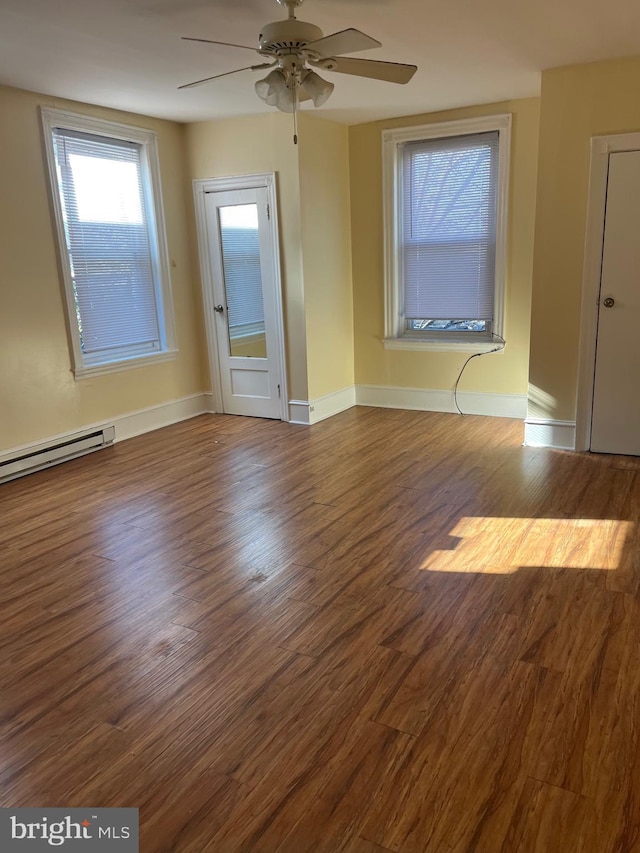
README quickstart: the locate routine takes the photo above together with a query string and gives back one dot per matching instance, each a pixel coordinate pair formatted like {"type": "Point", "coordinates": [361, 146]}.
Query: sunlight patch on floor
{"type": "Point", "coordinates": [504, 545]}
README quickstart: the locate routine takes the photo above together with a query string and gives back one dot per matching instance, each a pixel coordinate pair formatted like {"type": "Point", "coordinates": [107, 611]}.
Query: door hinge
{"type": "Point", "coordinates": [279, 393]}
{"type": "Point", "coordinates": [268, 211]}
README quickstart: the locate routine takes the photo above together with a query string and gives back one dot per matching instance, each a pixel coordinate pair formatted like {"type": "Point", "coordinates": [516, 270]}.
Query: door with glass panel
{"type": "Point", "coordinates": [245, 307]}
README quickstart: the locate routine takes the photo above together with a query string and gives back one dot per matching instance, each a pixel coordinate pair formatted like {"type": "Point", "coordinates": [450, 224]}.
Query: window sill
{"type": "Point", "coordinates": [85, 372]}
{"type": "Point", "coordinates": [418, 344]}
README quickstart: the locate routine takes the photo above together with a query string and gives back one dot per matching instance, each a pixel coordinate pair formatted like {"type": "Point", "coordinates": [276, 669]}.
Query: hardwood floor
{"type": "Point", "coordinates": [392, 631]}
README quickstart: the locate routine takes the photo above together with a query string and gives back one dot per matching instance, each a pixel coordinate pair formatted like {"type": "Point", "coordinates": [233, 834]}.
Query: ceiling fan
{"type": "Point", "coordinates": [294, 48]}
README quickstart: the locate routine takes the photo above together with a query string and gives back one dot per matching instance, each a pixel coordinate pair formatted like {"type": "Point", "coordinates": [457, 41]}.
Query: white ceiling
{"type": "Point", "coordinates": [128, 53]}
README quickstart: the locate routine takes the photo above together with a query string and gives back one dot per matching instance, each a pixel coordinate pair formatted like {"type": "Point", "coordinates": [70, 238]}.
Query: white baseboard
{"type": "Point", "coordinates": [430, 400]}
{"type": "Point", "coordinates": [310, 412]}
{"type": "Point", "coordinates": [538, 432]}
{"type": "Point", "coordinates": [393, 397]}
{"type": "Point", "coordinates": [543, 432]}
{"type": "Point", "coordinates": [299, 412]}
{"type": "Point", "coordinates": [332, 404]}
{"type": "Point", "coordinates": [155, 417]}
{"type": "Point", "coordinates": [210, 403]}
{"type": "Point", "coordinates": [131, 424]}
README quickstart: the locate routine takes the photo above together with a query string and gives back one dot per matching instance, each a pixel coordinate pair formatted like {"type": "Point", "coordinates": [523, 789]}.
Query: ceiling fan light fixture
{"type": "Point", "coordinates": [282, 90]}
{"type": "Point", "coordinates": [272, 88]}
{"type": "Point", "coordinates": [316, 88]}
{"type": "Point", "coordinates": [285, 102]}
{"type": "Point", "coordinates": [278, 89]}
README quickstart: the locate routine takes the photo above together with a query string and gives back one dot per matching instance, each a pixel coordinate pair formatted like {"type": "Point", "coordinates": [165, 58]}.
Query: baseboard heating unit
{"type": "Point", "coordinates": [49, 453]}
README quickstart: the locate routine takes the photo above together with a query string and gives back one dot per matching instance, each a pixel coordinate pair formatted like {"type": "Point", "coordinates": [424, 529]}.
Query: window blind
{"type": "Point", "coordinates": [449, 227]}
{"type": "Point", "coordinates": [240, 243]}
{"type": "Point", "coordinates": [108, 240]}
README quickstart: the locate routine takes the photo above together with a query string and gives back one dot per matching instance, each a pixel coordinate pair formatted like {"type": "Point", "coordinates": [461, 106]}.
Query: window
{"type": "Point", "coordinates": [240, 245]}
{"type": "Point", "coordinates": [106, 195]}
{"type": "Point", "coordinates": [445, 233]}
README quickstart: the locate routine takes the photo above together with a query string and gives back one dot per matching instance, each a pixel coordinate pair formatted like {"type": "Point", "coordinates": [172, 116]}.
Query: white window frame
{"type": "Point", "coordinates": [396, 334]}
{"type": "Point", "coordinates": [147, 139]}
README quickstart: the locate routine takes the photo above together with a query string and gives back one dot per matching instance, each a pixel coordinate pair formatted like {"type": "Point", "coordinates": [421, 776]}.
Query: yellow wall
{"type": "Point", "coordinates": [505, 373]}
{"type": "Point", "coordinates": [39, 396]}
{"type": "Point", "coordinates": [578, 102]}
{"type": "Point", "coordinates": [326, 242]}
{"type": "Point", "coordinates": [250, 145]}
{"type": "Point", "coordinates": [330, 207]}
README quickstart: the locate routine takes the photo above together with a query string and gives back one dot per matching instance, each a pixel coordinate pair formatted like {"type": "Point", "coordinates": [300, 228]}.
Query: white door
{"type": "Point", "coordinates": [615, 424]}
{"type": "Point", "coordinates": [245, 301]}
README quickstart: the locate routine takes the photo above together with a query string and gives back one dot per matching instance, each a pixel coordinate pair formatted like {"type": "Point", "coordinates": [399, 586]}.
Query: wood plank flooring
{"type": "Point", "coordinates": [391, 631]}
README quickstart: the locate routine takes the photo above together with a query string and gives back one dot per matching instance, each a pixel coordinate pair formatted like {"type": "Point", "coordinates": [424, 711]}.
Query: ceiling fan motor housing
{"type": "Point", "coordinates": [284, 36]}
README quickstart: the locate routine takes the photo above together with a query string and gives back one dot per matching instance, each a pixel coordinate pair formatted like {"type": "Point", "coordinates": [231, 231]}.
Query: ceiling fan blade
{"type": "Point", "coordinates": [346, 41]}
{"type": "Point", "coordinates": [392, 72]}
{"type": "Point", "coordinates": [225, 43]}
{"type": "Point", "coordinates": [225, 74]}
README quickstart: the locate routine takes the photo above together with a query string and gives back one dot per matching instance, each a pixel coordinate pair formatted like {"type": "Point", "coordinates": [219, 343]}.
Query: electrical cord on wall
{"type": "Point", "coordinates": [502, 344]}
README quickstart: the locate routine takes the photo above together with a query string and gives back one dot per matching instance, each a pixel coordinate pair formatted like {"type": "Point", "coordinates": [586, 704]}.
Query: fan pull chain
{"type": "Point", "coordinates": [295, 111]}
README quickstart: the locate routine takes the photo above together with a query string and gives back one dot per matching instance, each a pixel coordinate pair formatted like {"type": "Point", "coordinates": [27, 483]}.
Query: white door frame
{"type": "Point", "coordinates": [238, 182]}
{"type": "Point", "coordinates": [601, 148]}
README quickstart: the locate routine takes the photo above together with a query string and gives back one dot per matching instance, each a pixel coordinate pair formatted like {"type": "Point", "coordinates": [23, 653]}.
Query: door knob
{"type": "Point", "coordinates": [219, 309]}
{"type": "Point", "coordinates": [609, 302]}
